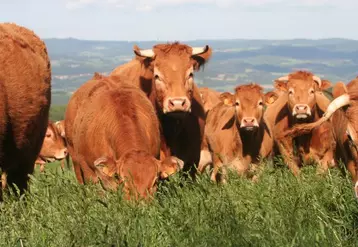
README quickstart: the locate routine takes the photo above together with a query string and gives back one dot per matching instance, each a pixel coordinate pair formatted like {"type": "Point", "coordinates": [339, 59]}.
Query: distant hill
{"type": "Point", "coordinates": [234, 61]}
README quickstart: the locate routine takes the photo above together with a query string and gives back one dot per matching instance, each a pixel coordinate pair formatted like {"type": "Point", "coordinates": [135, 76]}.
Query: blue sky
{"type": "Point", "coordinates": [184, 19]}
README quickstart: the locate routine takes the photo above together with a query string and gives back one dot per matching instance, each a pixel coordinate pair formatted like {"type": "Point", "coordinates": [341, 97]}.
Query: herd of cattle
{"type": "Point", "coordinates": [148, 119]}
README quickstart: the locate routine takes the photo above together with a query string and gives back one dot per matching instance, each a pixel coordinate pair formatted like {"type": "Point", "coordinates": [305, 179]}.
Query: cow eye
{"type": "Point", "coordinates": [191, 75]}
{"type": "Point", "coordinates": [311, 91]}
{"type": "Point", "coordinates": [48, 135]}
{"type": "Point", "coordinates": [290, 92]}
{"type": "Point", "coordinates": [261, 103]}
{"type": "Point", "coordinates": [237, 103]}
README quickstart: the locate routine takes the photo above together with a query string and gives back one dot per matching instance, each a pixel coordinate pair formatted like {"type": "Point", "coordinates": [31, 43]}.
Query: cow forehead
{"type": "Point", "coordinates": [300, 84]}
{"type": "Point", "coordinates": [173, 64]}
{"type": "Point", "coordinates": [249, 97]}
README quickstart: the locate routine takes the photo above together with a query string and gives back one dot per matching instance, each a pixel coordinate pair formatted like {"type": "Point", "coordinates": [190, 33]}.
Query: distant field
{"type": "Point", "coordinates": [278, 210]}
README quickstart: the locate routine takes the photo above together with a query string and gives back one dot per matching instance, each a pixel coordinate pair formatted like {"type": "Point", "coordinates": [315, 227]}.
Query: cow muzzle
{"type": "Point", "coordinates": [249, 123]}
{"type": "Point", "coordinates": [61, 154]}
{"type": "Point", "coordinates": [301, 111]}
{"type": "Point", "coordinates": [178, 104]}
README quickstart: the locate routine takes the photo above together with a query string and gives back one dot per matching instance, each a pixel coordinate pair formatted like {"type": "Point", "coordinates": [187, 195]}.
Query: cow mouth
{"type": "Point", "coordinates": [177, 114]}
{"type": "Point", "coordinates": [249, 128]}
{"type": "Point", "coordinates": [302, 116]}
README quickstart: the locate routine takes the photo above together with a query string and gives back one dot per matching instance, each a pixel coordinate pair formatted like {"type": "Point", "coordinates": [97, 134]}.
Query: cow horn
{"type": "Point", "coordinates": [283, 78]}
{"type": "Point", "coordinates": [318, 80]}
{"type": "Point", "coordinates": [337, 103]}
{"type": "Point", "coordinates": [199, 50]}
{"type": "Point", "coordinates": [145, 53]}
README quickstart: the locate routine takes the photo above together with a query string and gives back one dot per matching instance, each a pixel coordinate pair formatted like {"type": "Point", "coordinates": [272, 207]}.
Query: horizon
{"type": "Point", "coordinates": [144, 20]}
{"type": "Point", "coordinates": [218, 39]}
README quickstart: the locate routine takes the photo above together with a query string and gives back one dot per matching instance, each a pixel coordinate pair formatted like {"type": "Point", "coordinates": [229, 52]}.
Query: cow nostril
{"type": "Point", "coordinates": [252, 120]}
{"type": "Point", "coordinates": [184, 103]}
{"type": "Point", "coordinates": [65, 152]}
{"type": "Point", "coordinates": [305, 107]}
{"type": "Point", "coordinates": [171, 104]}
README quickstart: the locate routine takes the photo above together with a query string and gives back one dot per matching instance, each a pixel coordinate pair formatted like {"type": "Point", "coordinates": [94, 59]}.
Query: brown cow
{"type": "Point", "coordinates": [166, 74]}
{"type": "Point", "coordinates": [345, 125]}
{"type": "Point", "coordinates": [25, 94]}
{"type": "Point", "coordinates": [301, 102]}
{"type": "Point", "coordinates": [53, 147]}
{"type": "Point", "coordinates": [209, 97]}
{"type": "Point", "coordinates": [115, 125]}
{"type": "Point", "coordinates": [236, 132]}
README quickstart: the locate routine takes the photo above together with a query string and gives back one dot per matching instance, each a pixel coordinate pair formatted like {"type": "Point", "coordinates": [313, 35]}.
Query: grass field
{"type": "Point", "coordinates": [278, 210]}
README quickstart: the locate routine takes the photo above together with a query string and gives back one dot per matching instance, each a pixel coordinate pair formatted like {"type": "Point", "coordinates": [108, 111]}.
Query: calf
{"type": "Point", "coordinates": [236, 132]}
{"type": "Point", "coordinates": [301, 101]}
{"type": "Point", "coordinates": [53, 147]}
{"type": "Point", "coordinates": [116, 127]}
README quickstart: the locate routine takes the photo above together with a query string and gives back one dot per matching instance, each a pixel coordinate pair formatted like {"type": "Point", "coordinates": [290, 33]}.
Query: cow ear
{"type": "Point", "coordinates": [169, 166]}
{"type": "Point", "coordinates": [325, 84]}
{"type": "Point", "coordinates": [227, 98]}
{"type": "Point", "coordinates": [49, 132]}
{"type": "Point", "coordinates": [270, 97]}
{"type": "Point", "coordinates": [201, 57]}
{"type": "Point", "coordinates": [106, 166]}
{"type": "Point", "coordinates": [280, 85]}
{"type": "Point", "coordinates": [339, 89]}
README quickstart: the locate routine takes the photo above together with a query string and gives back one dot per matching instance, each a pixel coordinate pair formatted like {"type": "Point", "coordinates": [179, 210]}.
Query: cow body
{"type": "Point", "coordinates": [53, 147]}
{"type": "Point", "coordinates": [301, 101]}
{"type": "Point", "coordinates": [236, 132]}
{"type": "Point", "coordinates": [209, 97]}
{"type": "Point", "coordinates": [114, 126]}
{"type": "Point", "coordinates": [25, 94]}
{"type": "Point", "coordinates": [165, 74]}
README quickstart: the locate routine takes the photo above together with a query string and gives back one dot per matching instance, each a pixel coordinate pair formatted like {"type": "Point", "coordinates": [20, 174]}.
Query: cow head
{"type": "Point", "coordinates": [300, 88]}
{"type": "Point", "coordinates": [54, 146]}
{"type": "Point", "coordinates": [249, 104]}
{"type": "Point", "coordinates": [169, 166]}
{"type": "Point", "coordinates": [173, 67]}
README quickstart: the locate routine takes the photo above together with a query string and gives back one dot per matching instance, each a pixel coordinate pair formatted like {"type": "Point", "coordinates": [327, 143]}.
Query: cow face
{"type": "Point", "coordinates": [173, 68]}
{"type": "Point", "coordinates": [53, 147]}
{"type": "Point", "coordinates": [300, 88]}
{"type": "Point", "coordinates": [249, 105]}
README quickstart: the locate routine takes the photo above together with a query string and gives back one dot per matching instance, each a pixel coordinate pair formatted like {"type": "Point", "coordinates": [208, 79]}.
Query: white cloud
{"type": "Point", "coordinates": [148, 5]}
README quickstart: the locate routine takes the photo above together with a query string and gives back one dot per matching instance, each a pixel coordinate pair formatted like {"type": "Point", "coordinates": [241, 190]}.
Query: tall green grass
{"type": "Point", "coordinates": [278, 210]}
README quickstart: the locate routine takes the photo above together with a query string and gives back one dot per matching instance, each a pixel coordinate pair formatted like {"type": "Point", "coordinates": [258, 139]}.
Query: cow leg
{"type": "Point", "coordinates": [205, 160]}
{"type": "Point", "coordinates": [88, 173]}
{"type": "Point", "coordinates": [77, 169]}
{"type": "Point", "coordinates": [42, 167]}
{"type": "Point", "coordinates": [3, 180]}
{"type": "Point", "coordinates": [19, 177]}
{"type": "Point", "coordinates": [285, 146]}
{"type": "Point", "coordinates": [219, 173]}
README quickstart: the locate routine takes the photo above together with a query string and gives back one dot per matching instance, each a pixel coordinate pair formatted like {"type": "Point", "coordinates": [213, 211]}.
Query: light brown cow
{"type": "Point", "coordinates": [236, 132]}
{"type": "Point", "coordinates": [166, 74]}
{"type": "Point", "coordinates": [302, 102]}
{"type": "Point", "coordinates": [344, 112]}
{"type": "Point", "coordinates": [53, 147]}
{"type": "Point", "coordinates": [209, 97]}
{"type": "Point", "coordinates": [25, 95]}
{"type": "Point", "coordinates": [116, 128]}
